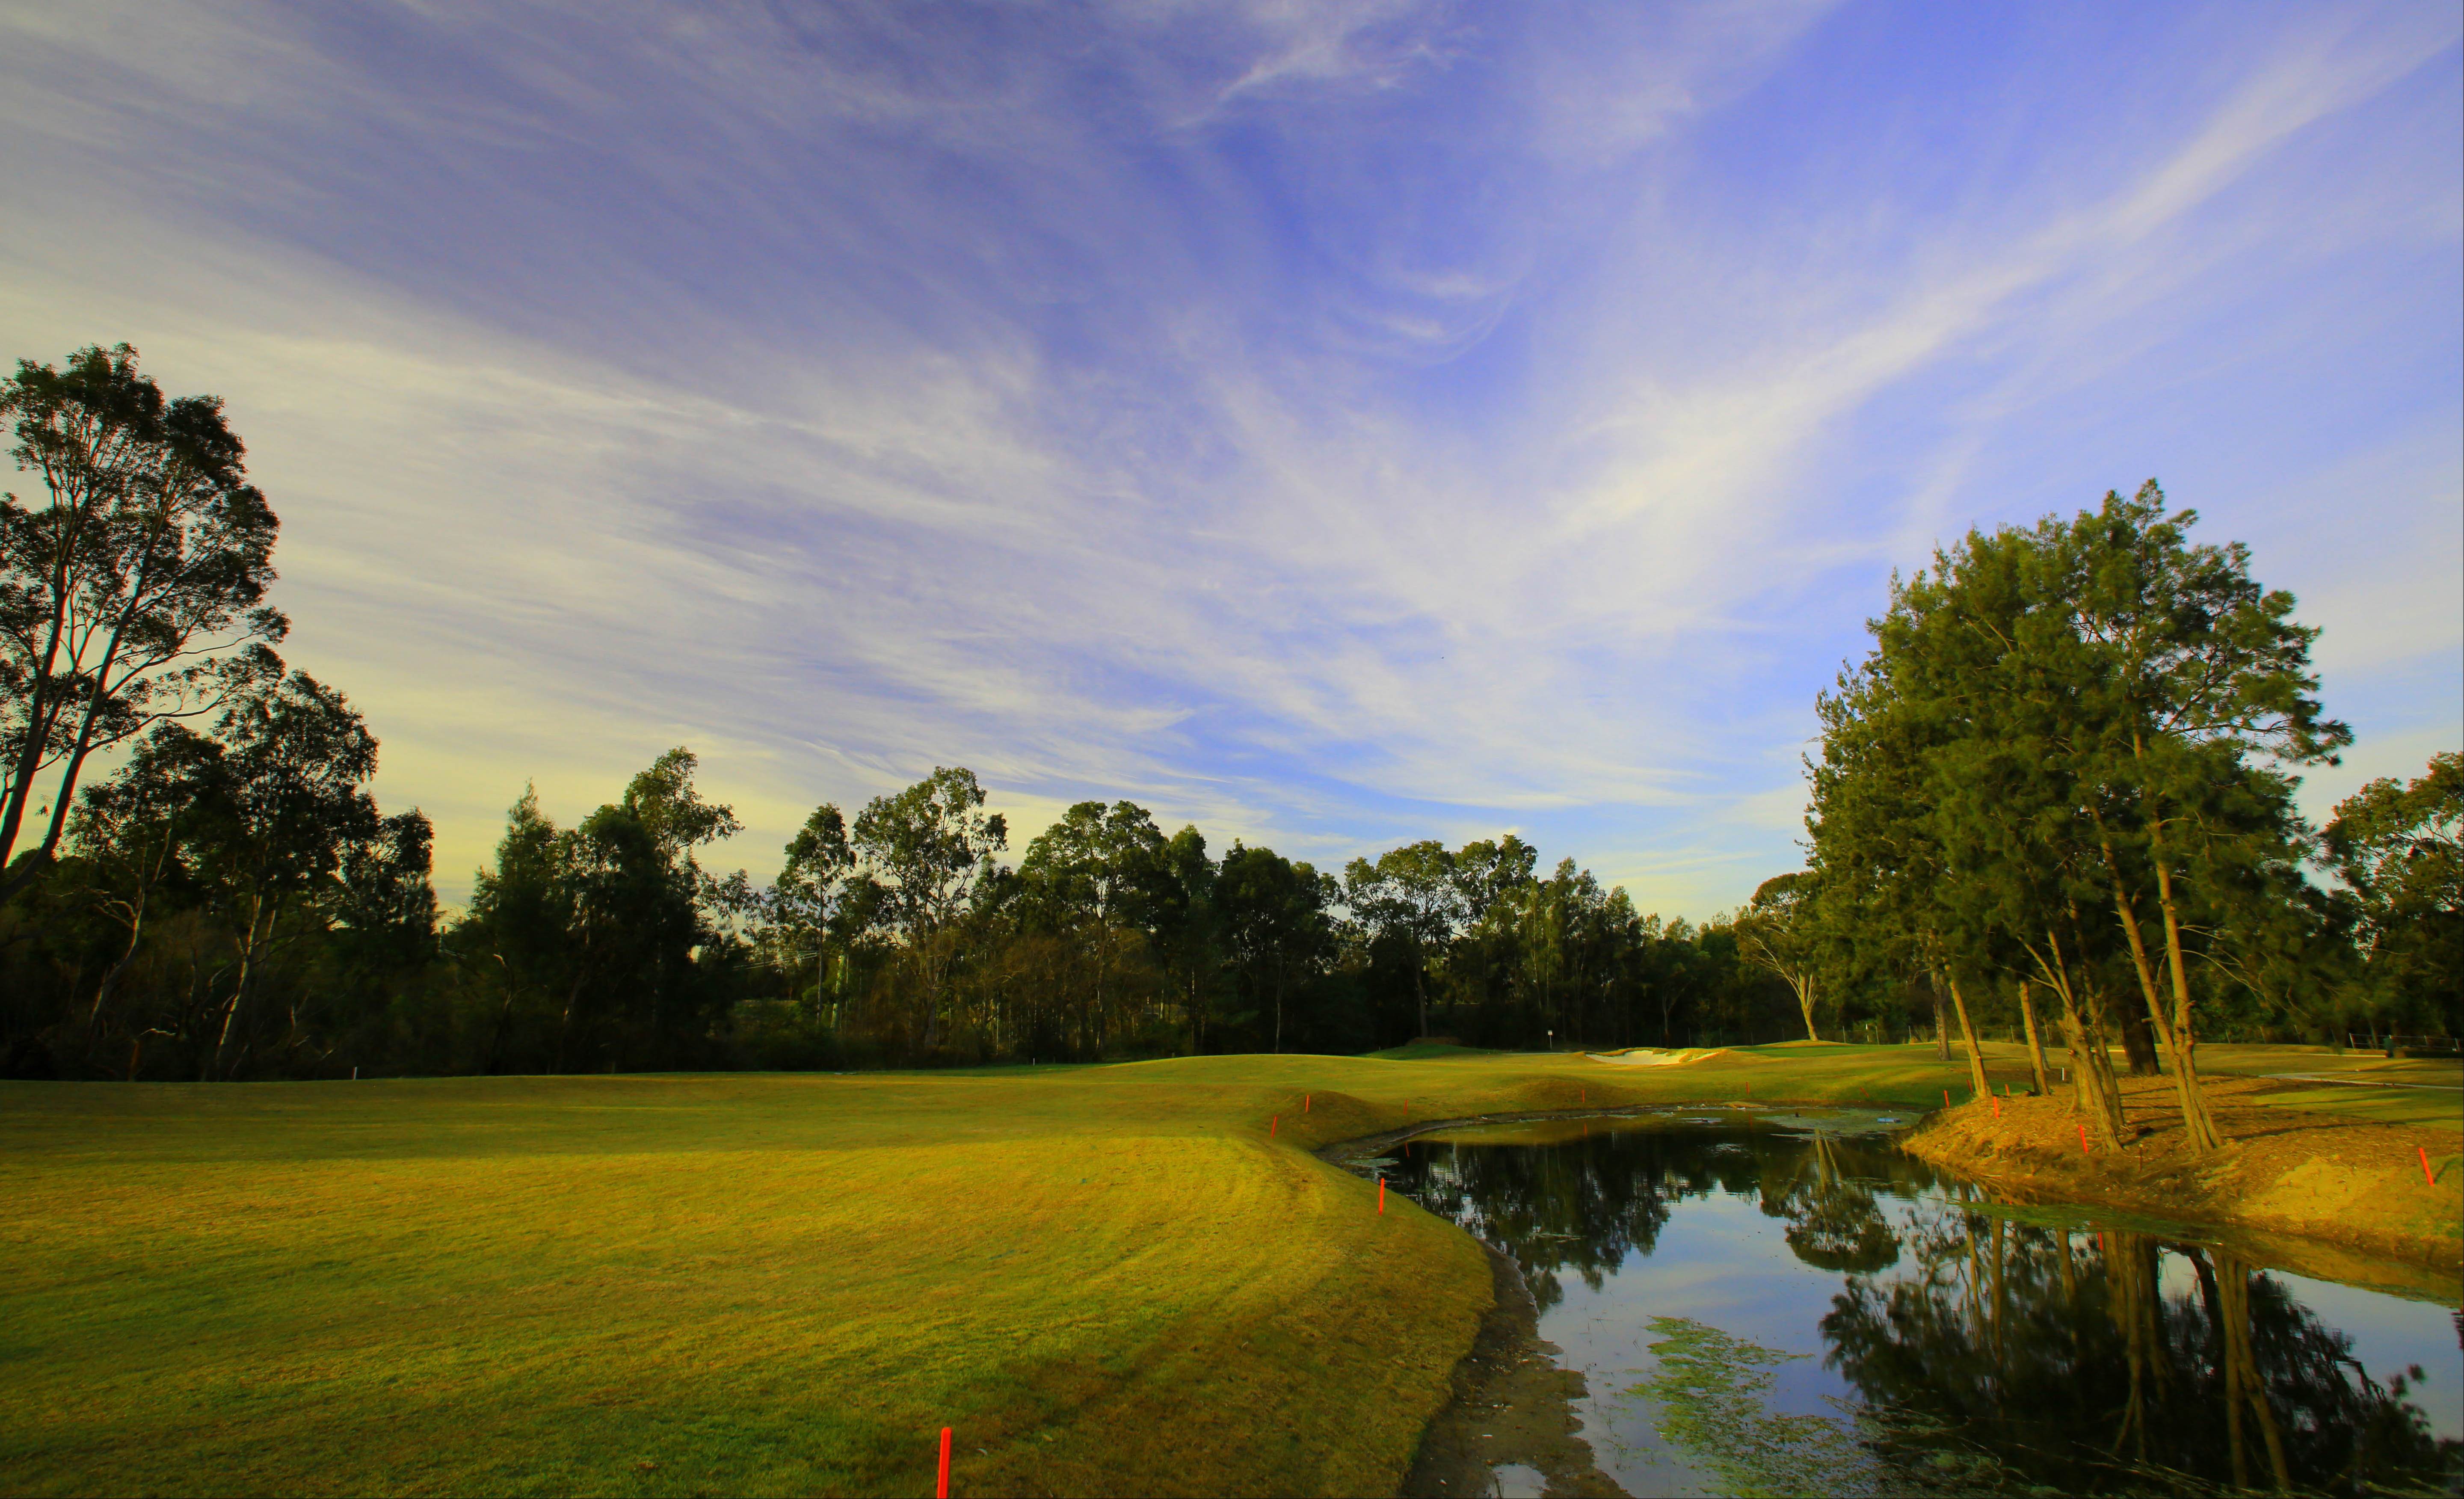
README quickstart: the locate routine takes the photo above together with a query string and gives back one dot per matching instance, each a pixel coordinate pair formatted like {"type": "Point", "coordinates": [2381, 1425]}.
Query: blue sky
{"type": "Point", "coordinates": [1332, 424]}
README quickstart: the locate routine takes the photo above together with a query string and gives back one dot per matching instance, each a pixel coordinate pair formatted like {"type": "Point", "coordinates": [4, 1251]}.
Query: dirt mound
{"type": "Point", "coordinates": [2350, 1182]}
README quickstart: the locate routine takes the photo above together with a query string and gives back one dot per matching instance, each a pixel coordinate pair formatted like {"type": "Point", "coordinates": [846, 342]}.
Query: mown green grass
{"type": "Point", "coordinates": [1106, 1279]}
{"type": "Point", "coordinates": [2370, 1086]}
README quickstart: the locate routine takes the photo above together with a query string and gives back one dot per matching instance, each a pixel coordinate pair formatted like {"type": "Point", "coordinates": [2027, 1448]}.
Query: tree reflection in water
{"type": "Point", "coordinates": [1986, 1354]}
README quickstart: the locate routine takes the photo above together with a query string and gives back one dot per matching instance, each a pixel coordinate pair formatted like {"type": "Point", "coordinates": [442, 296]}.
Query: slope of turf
{"type": "Point", "coordinates": [1106, 1279]}
{"type": "Point", "coordinates": [1129, 1279]}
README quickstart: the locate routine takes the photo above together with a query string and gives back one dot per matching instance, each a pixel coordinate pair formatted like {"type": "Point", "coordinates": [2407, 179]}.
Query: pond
{"type": "Point", "coordinates": [1794, 1307]}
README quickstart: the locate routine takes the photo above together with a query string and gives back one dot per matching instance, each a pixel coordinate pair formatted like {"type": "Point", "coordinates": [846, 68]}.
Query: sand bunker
{"type": "Point", "coordinates": [1653, 1056]}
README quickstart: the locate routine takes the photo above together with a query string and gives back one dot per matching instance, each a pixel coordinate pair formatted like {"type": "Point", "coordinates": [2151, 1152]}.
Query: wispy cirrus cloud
{"type": "Point", "coordinates": [1330, 423]}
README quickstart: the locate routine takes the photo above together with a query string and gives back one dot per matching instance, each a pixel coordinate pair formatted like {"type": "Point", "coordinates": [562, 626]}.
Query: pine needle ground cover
{"type": "Point", "coordinates": [1131, 1279]}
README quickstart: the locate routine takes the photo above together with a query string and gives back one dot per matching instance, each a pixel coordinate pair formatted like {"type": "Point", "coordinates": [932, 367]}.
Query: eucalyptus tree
{"type": "Point", "coordinates": [925, 850]}
{"type": "Point", "coordinates": [1100, 873]}
{"type": "Point", "coordinates": [385, 897]}
{"type": "Point", "coordinates": [1489, 871]}
{"type": "Point", "coordinates": [1780, 931]}
{"type": "Point", "coordinates": [133, 592]}
{"type": "Point", "coordinates": [1411, 896]}
{"type": "Point", "coordinates": [637, 857]}
{"type": "Point", "coordinates": [808, 902]}
{"type": "Point", "coordinates": [135, 832]}
{"type": "Point", "coordinates": [1566, 930]}
{"type": "Point", "coordinates": [290, 800]}
{"type": "Point", "coordinates": [1192, 930]}
{"type": "Point", "coordinates": [2400, 849]}
{"type": "Point", "coordinates": [522, 931]}
{"type": "Point", "coordinates": [1275, 920]}
{"type": "Point", "coordinates": [603, 937]}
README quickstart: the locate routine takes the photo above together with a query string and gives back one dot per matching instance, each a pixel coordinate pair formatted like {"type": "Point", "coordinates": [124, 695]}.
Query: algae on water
{"type": "Point", "coordinates": [1711, 1392]}
{"type": "Point", "coordinates": [1710, 1389]}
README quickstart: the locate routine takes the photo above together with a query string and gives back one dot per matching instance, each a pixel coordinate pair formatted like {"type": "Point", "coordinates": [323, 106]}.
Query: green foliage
{"type": "Point", "coordinates": [2400, 849]}
{"type": "Point", "coordinates": [2068, 762]}
{"type": "Point", "coordinates": [134, 594]}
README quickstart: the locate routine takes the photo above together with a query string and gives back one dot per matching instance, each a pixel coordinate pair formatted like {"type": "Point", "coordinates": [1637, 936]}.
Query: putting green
{"type": "Point", "coordinates": [1104, 1279]}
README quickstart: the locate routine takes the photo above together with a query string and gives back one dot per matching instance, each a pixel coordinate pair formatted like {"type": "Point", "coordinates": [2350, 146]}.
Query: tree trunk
{"type": "Point", "coordinates": [40, 857]}
{"type": "Point", "coordinates": [2243, 1381]}
{"type": "Point", "coordinates": [2094, 1092]}
{"type": "Point", "coordinates": [2123, 911]}
{"type": "Point", "coordinates": [1279, 1014]}
{"type": "Point", "coordinates": [145, 882]}
{"type": "Point", "coordinates": [2199, 1125]}
{"type": "Point", "coordinates": [102, 991]}
{"type": "Point", "coordinates": [40, 713]}
{"type": "Point", "coordinates": [2138, 1041]}
{"type": "Point", "coordinates": [564, 1024]}
{"type": "Point", "coordinates": [1941, 1022]}
{"type": "Point", "coordinates": [2036, 1044]}
{"type": "Point", "coordinates": [239, 988]}
{"type": "Point", "coordinates": [2136, 1308]}
{"type": "Point", "coordinates": [2195, 1126]}
{"type": "Point", "coordinates": [1804, 987]}
{"type": "Point", "coordinates": [1967, 1033]}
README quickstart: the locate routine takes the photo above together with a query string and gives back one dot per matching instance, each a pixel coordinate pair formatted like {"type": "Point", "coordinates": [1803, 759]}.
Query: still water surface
{"type": "Point", "coordinates": [1798, 1307]}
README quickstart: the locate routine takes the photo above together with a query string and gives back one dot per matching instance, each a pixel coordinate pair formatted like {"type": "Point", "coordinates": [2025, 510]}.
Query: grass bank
{"type": "Point", "coordinates": [1131, 1279]}
{"type": "Point", "coordinates": [2339, 1168]}
{"type": "Point", "coordinates": [1106, 1279]}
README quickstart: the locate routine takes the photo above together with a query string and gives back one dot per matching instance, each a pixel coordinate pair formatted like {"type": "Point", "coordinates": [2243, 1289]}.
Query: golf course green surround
{"type": "Point", "coordinates": [1127, 1279]}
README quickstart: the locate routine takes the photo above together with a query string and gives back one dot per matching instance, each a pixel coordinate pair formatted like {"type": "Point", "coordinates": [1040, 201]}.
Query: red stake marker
{"type": "Point", "coordinates": [1946, 1098]}
{"type": "Point", "coordinates": [2082, 1139]}
{"type": "Point", "coordinates": [1305, 1101]}
{"type": "Point", "coordinates": [1381, 1197]}
{"type": "Point", "coordinates": [1272, 1121]}
{"type": "Point", "coordinates": [942, 1490]}
{"type": "Point", "coordinates": [1997, 1107]}
{"type": "Point", "coordinates": [2427, 1174]}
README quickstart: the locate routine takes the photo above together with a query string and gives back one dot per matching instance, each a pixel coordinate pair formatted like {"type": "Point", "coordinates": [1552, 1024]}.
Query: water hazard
{"type": "Point", "coordinates": [1798, 1307]}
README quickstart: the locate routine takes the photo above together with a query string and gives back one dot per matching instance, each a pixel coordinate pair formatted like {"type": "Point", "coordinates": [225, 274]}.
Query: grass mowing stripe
{"type": "Point", "coordinates": [1106, 1279]}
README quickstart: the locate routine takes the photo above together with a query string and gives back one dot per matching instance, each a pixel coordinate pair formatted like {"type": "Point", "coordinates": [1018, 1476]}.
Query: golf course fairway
{"type": "Point", "coordinates": [1124, 1279]}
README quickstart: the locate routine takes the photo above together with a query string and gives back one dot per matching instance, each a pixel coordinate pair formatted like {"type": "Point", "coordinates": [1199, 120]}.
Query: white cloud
{"type": "Point", "coordinates": [849, 404]}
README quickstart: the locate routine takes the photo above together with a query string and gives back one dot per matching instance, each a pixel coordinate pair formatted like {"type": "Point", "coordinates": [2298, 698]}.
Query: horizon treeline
{"type": "Point", "coordinates": [2065, 768]}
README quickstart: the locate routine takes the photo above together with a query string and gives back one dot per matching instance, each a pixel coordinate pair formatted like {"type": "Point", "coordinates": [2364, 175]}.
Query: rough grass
{"type": "Point", "coordinates": [1106, 1279]}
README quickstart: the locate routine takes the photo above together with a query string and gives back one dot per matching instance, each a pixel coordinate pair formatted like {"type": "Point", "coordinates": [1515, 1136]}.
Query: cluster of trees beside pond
{"type": "Point", "coordinates": [199, 884]}
{"type": "Point", "coordinates": [2060, 789]}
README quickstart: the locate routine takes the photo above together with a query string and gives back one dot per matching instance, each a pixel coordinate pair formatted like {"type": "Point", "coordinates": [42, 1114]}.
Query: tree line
{"type": "Point", "coordinates": [198, 883]}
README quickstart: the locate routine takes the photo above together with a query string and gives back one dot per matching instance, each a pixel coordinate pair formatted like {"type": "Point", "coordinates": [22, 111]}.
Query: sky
{"type": "Point", "coordinates": [1332, 424]}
